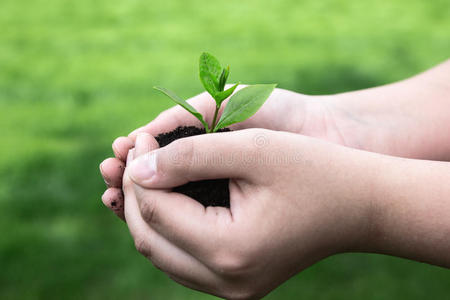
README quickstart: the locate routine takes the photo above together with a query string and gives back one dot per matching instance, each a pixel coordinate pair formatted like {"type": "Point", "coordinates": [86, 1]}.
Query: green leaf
{"type": "Point", "coordinates": [244, 104]}
{"type": "Point", "coordinates": [210, 71]}
{"type": "Point", "coordinates": [183, 104]}
{"type": "Point", "coordinates": [225, 94]}
{"type": "Point", "coordinates": [223, 78]}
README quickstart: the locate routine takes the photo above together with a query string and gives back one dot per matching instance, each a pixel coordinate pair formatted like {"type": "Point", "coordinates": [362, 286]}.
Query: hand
{"type": "Point", "coordinates": [294, 200]}
{"type": "Point", "coordinates": [407, 119]}
{"type": "Point", "coordinates": [283, 111]}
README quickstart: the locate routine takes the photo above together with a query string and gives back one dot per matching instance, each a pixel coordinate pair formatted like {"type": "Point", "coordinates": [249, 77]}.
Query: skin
{"type": "Point", "coordinates": [329, 198]}
{"type": "Point", "coordinates": [283, 111]}
{"type": "Point", "coordinates": [407, 119]}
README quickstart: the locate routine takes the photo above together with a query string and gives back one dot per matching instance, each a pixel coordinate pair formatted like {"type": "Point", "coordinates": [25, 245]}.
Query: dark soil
{"type": "Point", "coordinates": [208, 192]}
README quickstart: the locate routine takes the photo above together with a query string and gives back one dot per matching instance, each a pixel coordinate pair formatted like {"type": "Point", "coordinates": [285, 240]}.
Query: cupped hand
{"type": "Point", "coordinates": [294, 200]}
{"type": "Point", "coordinates": [283, 111]}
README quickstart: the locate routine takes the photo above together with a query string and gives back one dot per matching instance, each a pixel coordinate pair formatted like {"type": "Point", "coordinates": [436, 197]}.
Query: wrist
{"type": "Point", "coordinates": [392, 120]}
{"type": "Point", "coordinates": [408, 210]}
{"type": "Point", "coordinates": [361, 184]}
{"type": "Point", "coordinates": [349, 182]}
{"type": "Point", "coordinates": [359, 126]}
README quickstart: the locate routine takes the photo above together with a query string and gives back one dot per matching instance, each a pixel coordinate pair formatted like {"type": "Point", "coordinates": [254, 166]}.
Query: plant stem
{"type": "Point", "coordinates": [213, 125]}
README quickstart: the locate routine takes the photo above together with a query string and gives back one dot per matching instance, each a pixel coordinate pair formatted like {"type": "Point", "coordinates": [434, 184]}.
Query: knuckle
{"type": "Point", "coordinates": [142, 246]}
{"type": "Point", "coordinates": [148, 208]}
{"type": "Point", "coordinates": [230, 264]}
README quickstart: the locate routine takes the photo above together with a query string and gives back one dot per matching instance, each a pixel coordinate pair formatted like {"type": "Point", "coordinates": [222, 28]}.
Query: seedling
{"type": "Point", "coordinates": [241, 106]}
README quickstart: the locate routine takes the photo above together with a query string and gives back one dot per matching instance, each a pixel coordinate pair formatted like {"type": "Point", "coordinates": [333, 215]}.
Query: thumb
{"type": "Point", "coordinates": [208, 156]}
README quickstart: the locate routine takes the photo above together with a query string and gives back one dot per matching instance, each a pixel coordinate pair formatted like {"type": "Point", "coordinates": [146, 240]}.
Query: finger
{"type": "Point", "coordinates": [145, 143]}
{"type": "Point", "coordinates": [184, 221]}
{"type": "Point", "coordinates": [112, 171]}
{"type": "Point", "coordinates": [177, 116]}
{"type": "Point", "coordinates": [209, 156]}
{"type": "Point", "coordinates": [113, 199]}
{"type": "Point", "coordinates": [163, 254]}
{"type": "Point", "coordinates": [166, 122]}
{"type": "Point", "coordinates": [135, 223]}
{"type": "Point", "coordinates": [120, 146]}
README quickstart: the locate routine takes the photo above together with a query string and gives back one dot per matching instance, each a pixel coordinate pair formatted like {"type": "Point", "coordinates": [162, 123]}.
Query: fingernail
{"type": "Point", "coordinates": [105, 179]}
{"type": "Point", "coordinates": [116, 152]}
{"type": "Point", "coordinates": [103, 197]}
{"type": "Point", "coordinates": [101, 168]}
{"type": "Point", "coordinates": [144, 167]}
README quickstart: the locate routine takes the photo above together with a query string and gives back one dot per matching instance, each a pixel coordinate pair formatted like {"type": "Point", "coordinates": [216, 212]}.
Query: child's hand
{"type": "Point", "coordinates": [283, 111]}
{"type": "Point", "coordinates": [294, 201]}
{"type": "Point", "coordinates": [408, 119]}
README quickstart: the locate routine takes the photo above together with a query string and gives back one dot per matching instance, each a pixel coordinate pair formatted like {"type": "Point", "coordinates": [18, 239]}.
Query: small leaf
{"type": "Point", "coordinates": [225, 94]}
{"type": "Point", "coordinates": [210, 71]}
{"type": "Point", "coordinates": [223, 78]}
{"type": "Point", "coordinates": [244, 104]}
{"type": "Point", "coordinates": [183, 104]}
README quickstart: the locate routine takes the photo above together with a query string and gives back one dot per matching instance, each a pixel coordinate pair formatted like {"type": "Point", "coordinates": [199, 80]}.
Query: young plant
{"type": "Point", "coordinates": [241, 106]}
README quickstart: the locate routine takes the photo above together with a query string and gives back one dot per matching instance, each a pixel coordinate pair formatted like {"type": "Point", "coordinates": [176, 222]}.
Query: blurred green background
{"type": "Point", "coordinates": [76, 74]}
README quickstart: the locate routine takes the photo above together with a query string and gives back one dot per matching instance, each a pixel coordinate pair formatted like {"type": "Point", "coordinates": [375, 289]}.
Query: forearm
{"type": "Point", "coordinates": [410, 210]}
{"type": "Point", "coordinates": [410, 118]}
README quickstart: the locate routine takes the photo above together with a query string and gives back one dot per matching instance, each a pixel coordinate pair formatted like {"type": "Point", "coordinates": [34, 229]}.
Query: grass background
{"type": "Point", "coordinates": [76, 74]}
